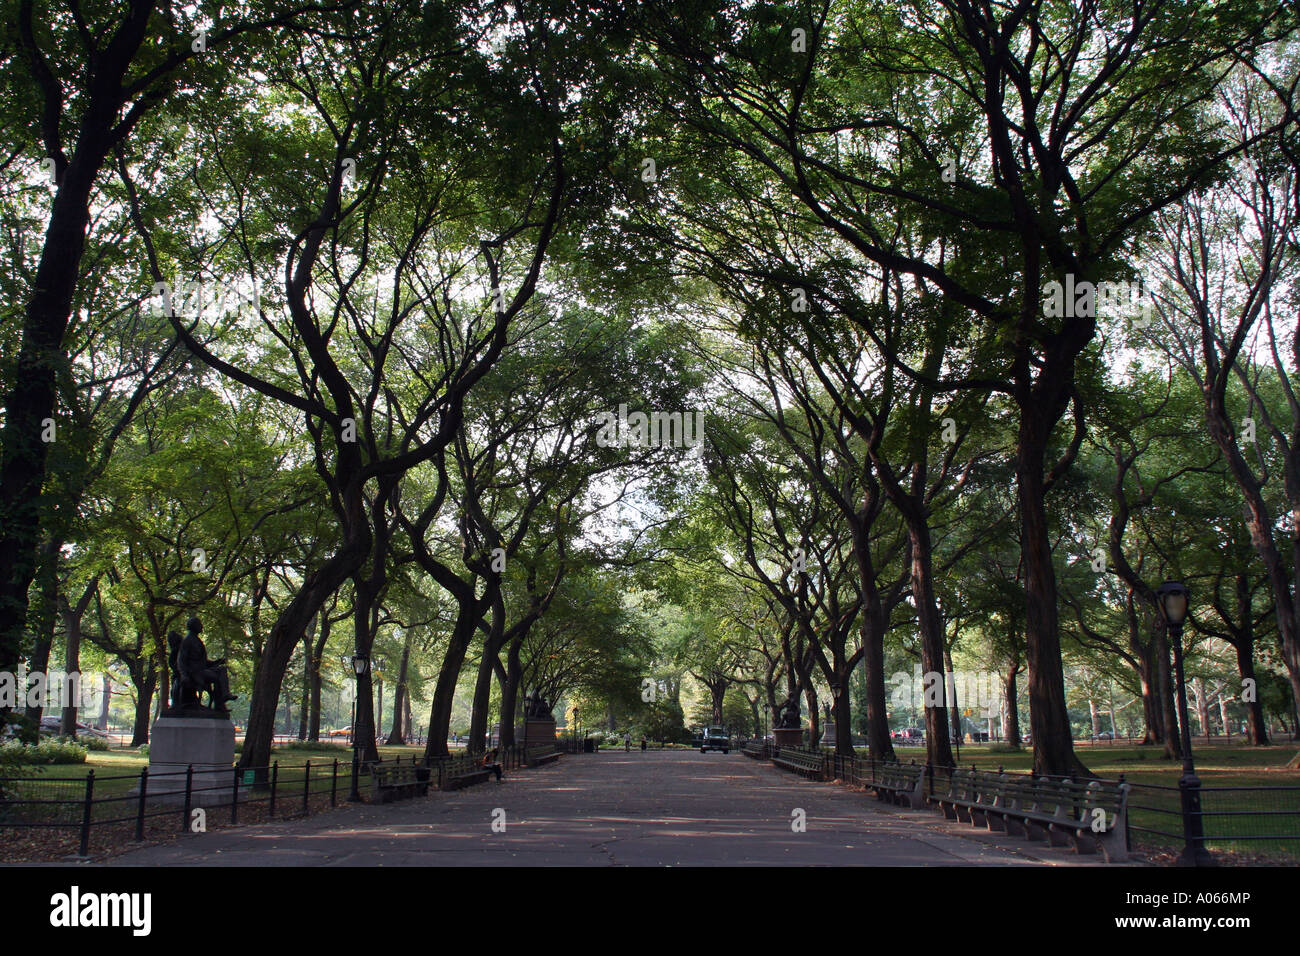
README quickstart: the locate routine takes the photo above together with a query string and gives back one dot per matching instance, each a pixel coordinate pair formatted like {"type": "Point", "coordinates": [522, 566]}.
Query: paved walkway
{"type": "Point", "coordinates": [671, 808]}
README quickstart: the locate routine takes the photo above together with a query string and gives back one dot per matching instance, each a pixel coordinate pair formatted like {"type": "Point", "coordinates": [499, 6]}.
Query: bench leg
{"type": "Point", "coordinates": [1056, 836]}
{"type": "Point", "coordinates": [978, 817]}
{"type": "Point", "coordinates": [995, 821]}
{"type": "Point", "coordinates": [963, 813]}
{"type": "Point", "coordinates": [1084, 843]}
{"type": "Point", "coordinates": [1034, 831]}
{"type": "Point", "coordinates": [949, 810]}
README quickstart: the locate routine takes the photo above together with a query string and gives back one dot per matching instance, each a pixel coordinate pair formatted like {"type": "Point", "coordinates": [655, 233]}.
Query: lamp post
{"type": "Point", "coordinates": [359, 664]}
{"type": "Point", "coordinates": [1174, 598]}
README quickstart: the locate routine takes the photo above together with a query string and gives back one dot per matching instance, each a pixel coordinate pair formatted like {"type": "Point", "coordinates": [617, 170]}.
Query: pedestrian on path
{"type": "Point", "coordinates": [627, 741]}
{"type": "Point", "coordinates": [643, 743]}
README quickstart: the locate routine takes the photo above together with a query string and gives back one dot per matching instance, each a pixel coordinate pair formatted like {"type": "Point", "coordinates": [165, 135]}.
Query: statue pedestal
{"type": "Point", "coordinates": [208, 745]}
{"type": "Point", "coordinates": [539, 732]}
{"type": "Point", "coordinates": [788, 736]}
{"type": "Point", "coordinates": [828, 736]}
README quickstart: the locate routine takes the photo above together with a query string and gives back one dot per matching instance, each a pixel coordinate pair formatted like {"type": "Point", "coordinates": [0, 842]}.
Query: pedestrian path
{"type": "Point", "coordinates": [667, 808]}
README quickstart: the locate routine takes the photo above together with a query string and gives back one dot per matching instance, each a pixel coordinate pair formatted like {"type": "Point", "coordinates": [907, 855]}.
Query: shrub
{"type": "Point", "coordinates": [315, 747]}
{"type": "Point", "coordinates": [144, 750]}
{"type": "Point", "coordinates": [56, 751]}
{"type": "Point", "coordinates": [93, 743]}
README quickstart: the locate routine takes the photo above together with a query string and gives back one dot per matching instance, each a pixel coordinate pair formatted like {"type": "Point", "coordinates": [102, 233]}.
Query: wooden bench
{"type": "Point", "coordinates": [540, 756]}
{"type": "Point", "coordinates": [807, 763]}
{"type": "Point", "coordinates": [901, 783]}
{"type": "Point", "coordinates": [393, 781]}
{"type": "Point", "coordinates": [1089, 815]}
{"type": "Point", "coordinates": [461, 772]}
{"type": "Point", "coordinates": [755, 749]}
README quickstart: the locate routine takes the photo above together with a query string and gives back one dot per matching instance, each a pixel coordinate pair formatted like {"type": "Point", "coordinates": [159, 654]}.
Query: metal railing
{"type": "Point", "coordinates": [116, 808]}
{"type": "Point", "coordinates": [1241, 823]}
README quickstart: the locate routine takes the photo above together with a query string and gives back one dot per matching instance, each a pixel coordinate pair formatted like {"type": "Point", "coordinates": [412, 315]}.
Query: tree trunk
{"type": "Point", "coordinates": [400, 697]}
{"type": "Point", "coordinates": [102, 722]}
{"type": "Point", "coordinates": [717, 693]}
{"type": "Point", "coordinates": [938, 738]}
{"type": "Point", "coordinates": [1049, 719]}
{"type": "Point", "coordinates": [33, 394]}
{"type": "Point", "coordinates": [814, 722]}
{"type": "Point", "coordinates": [1256, 727]}
{"type": "Point", "coordinates": [304, 710]}
{"type": "Point", "coordinates": [448, 675]}
{"type": "Point", "coordinates": [1202, 706]}
{"type": "Point", "coordinates": [1165, 691]}
{"type": "Point", "coordinates": [1011, 716]}
{"type": "Point", "coordinates": [42, 617]}
{"type": "Point", "coordinates": [510, 691]}
{"type": "Point", "coordinates": [950, 693]}
{"type": "Point", "coordinates": [363, 632]}
{"type": "Point", "coordinates": [479, 711]}
{"type": "Point", "coordinates": [280, 643]}
{"type": "Point", "coordinates": [72, 662]}
{"type": "Point", "coordinates": [144, 690]}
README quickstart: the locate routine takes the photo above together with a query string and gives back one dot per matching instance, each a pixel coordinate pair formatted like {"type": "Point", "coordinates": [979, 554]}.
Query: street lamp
{"type": "Point", "coordinates": [359, 664]}
{"type": "Point", "coordinates": [1174, 598]}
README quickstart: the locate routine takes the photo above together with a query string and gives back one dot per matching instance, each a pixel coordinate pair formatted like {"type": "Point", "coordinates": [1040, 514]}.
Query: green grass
{"type": "Point", "coordinates": [1221, 765]}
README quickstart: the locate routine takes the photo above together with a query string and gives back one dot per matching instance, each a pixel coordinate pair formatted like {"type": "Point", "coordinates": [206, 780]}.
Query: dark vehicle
{"type": "Point", "coordinates": [715, 738]}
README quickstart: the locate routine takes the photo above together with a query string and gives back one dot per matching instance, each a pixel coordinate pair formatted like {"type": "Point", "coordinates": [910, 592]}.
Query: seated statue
{"type": "Point", "coordinates": [193, 673]}
{"type": "Point", "coordinates": [789, 713]}
{"type": "Point", "coordinates": [536, 707]}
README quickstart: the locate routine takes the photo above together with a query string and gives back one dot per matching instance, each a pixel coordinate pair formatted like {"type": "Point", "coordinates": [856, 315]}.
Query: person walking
{"type": "Point", "coordinates": [627, 741]}
{"type": "Point", "coordinates": [643, 743]}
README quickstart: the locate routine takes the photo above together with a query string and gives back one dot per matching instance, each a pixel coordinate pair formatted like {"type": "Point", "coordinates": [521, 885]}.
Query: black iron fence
{"type": "Point", "coordinates": [114, 808]}
{"type": "Point", "coordinates": [1240, 823]}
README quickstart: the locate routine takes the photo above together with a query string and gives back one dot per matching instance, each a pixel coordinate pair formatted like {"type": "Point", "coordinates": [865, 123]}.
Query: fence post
{"type": "Point", "coordinates": [84, 849]}
{"type": "Point", "coordinates": [189, 789]}
{"type": "Point", "coordinates": [275, 773]}
{"type": "Point", "coordinates": [306, 785]}
{"type": "Point", "coordinates": [334, 784]}
{"type": "Point", "coordinates": [139, 813]}
{"type": "Point", "coordinates": [234, 798]}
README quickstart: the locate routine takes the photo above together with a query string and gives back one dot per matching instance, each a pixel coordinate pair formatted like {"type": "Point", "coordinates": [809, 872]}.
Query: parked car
{"type": "Point", "coordinates": [715, 738]}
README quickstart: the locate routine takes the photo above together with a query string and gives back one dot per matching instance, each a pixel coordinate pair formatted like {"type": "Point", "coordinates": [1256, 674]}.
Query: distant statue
{"type": "Point", "coordinates": [828, 711]}
{"type": "Point", "coordinates": [193, 674]}
{"type": "Point", "coordinates": [536, 707]}
{"type": "Point", "coordinates": [789, 713]}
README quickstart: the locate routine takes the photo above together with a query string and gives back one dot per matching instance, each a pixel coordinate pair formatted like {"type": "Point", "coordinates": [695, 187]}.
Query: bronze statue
{"type": "Point", "coordinates": [789, 713]}
{"type": "Point", "coordinates": [193, 674]}
{"type": "Point", "coordinates": [536, 707]}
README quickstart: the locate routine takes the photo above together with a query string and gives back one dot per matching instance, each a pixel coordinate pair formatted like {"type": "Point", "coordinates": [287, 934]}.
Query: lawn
{"type": "Point", "coordinates": [1259, 812]}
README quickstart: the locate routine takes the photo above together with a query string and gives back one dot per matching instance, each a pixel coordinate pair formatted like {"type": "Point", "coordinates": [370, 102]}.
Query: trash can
{"type": "Point", "coordinates": [588, 745]}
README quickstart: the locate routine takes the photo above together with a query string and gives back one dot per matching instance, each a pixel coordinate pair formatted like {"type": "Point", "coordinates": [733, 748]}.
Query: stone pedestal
{"type": "Point", "coordinates": [176, 743]}
{"type": "Point", "coordinates": [538, 732]}
{"type": "Point", "coordinates": [828, 736]}
{"type": "Point", "coordinates": [788, 736]}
